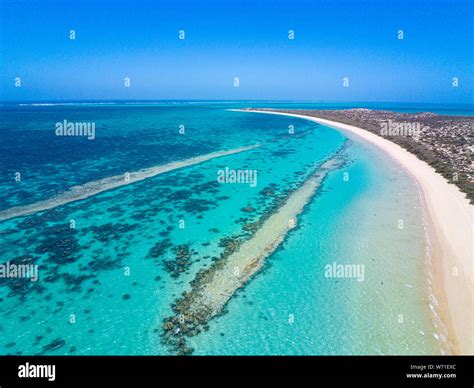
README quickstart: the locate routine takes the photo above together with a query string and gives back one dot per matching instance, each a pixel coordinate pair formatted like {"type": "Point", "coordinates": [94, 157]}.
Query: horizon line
{"type": "Point", "coordinates": [232, 100]}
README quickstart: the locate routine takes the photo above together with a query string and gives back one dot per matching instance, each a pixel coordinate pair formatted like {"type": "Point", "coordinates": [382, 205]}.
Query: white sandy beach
{"type": "Point", "coordinates": [450, 229]}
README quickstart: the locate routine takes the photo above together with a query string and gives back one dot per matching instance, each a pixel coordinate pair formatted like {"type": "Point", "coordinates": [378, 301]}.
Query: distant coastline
{"type": "Point", "coordinates": [454, 109]}
{"type": "Point", "coordinates": [444, 142]}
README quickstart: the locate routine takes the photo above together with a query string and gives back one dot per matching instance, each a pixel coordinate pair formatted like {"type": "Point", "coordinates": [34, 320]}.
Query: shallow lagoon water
{"type": "Point", "coordinates": [106, 285]}
{"type": "Point", "coordinates": [292, 308]}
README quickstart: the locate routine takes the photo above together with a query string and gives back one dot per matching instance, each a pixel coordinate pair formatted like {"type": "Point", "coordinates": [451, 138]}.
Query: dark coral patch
{"type": "Point", "coordinates": [159, 248]}
{"type": "Point", "coordinates": [181, 262]}
{"type": "Point", "coordinates": [109, 232]}
{"type": "Point", "coordinates": [54, 345]}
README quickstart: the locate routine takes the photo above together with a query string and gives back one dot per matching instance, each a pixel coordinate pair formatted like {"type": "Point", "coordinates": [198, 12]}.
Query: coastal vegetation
{"type": "Point", "coordinates": [445, 142]}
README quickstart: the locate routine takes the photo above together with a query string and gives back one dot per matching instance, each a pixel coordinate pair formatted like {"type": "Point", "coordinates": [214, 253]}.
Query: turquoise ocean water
{"type": "Point", "coordinates": [106, 284]}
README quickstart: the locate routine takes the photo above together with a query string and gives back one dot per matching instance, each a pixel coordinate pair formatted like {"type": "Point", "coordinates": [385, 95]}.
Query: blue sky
{"type": "Point", "coordinates": [246, 39]}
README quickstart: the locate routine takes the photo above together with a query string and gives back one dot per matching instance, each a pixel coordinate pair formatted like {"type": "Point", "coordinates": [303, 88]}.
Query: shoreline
{"type": "Point", "coordinates": [448, 217]}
